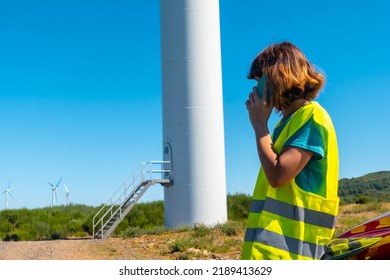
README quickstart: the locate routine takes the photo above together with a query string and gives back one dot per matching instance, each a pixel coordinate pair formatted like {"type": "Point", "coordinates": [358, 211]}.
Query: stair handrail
{"type": "Point", "coordinates": [144, 172]}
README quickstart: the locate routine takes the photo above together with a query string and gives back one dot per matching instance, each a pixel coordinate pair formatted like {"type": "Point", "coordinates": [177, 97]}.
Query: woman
{"type": "Point", "coordinates": [295, 201]}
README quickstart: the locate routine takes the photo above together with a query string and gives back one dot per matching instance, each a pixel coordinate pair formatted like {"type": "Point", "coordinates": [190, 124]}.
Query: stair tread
{"type": "Point", "coordinates": [130, 200]}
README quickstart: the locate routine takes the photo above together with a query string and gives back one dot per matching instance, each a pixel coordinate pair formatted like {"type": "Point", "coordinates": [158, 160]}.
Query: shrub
{"type": "Point", "coordinates": [238, 206]}
{"type": "Point", "coordinates": [361, 200]}
{"type": "Point", "coordinates": [75, 225]}
{"type": "Point", "coordinates": [132, 232]}
{"type": "Point", "coordinates": [230, 228]}
{"type": "Point", "coordinates": [11, 237]}
{"type": "Point", "coordinates": [201, 230]}
{"type": "Point", "coordinates": [146, 215]}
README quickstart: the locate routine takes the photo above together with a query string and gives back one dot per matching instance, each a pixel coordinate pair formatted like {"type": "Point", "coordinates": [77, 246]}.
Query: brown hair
{"type": "Point", "coordinates": [289, 74]}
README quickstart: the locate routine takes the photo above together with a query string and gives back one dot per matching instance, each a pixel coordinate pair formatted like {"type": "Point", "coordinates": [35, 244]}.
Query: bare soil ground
{"type": "Point", "coordinates": [148, 247]}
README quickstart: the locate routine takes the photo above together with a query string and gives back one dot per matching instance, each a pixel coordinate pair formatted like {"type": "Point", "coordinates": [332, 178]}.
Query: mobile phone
{"type": "Point", "coordinates": [260, 88]}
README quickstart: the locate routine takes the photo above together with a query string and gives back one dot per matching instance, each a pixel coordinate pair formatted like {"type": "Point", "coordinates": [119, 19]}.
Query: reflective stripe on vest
{"type": "Point", "coordinates": [294, 212]}
{"type": "Point", "coordinates": [282, 242]}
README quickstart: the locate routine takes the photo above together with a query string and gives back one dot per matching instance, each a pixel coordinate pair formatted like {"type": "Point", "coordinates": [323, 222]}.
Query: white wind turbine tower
{"type": "Point", "coordinates": [54, 193]}
{"type": "Point", "coordinates": [67, 192]}
{"type": "Point", "coordinates": [7, 193]}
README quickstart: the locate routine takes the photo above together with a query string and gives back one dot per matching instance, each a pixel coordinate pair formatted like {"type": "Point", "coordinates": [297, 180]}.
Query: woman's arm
{"type": "Point", "coordinates": [278, 168]}
{"type": "Point", "coordinates": [282, 168]}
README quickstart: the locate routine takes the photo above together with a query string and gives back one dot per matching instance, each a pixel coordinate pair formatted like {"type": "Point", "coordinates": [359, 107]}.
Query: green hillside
{"type": "Point", "coordinates": [371, 187]}
{"type": "Point", "coordinates": [76, 220]}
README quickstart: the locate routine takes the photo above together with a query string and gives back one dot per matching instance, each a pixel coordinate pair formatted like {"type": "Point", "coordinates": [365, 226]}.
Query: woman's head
{"type": "Point", "coordinates": [288, 72]}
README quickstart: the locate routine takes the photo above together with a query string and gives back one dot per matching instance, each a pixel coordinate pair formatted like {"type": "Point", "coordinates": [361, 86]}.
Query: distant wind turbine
{"type": "Point", "coordinates": [54, 193]}
{"type": "Point", "coordinates": [7, 193]}
{"type": "Point", "coordinates": [67, 192]}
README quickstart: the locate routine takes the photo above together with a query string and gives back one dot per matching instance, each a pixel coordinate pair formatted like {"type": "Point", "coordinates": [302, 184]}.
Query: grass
{"type": "Point", "coordinates": [202, 240]}
{"type": "Point", "coordinates": [227, 238]}
{"type": "Point", "coordinates": [189, 242]}
{"type": "Point", "coordinates": [352, 215]}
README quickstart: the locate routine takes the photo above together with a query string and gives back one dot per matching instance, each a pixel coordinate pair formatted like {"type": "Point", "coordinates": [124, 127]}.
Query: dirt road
{"type": "Point", "coordinates": [138, 248]}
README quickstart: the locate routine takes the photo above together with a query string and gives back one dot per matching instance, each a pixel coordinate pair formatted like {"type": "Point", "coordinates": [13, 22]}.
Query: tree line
{"type": "Point", "coordinates": [76, 220]}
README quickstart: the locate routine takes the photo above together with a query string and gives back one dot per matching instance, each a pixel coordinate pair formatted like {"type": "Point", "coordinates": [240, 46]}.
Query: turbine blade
{"type": "Point", "coordinates": [66, 189]}
{"type": "Point", "coordinates": [58, 182]}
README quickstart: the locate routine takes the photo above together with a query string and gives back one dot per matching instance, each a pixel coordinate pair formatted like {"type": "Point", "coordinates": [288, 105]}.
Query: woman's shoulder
{"type": "Point", "coordinates": [320, 114]}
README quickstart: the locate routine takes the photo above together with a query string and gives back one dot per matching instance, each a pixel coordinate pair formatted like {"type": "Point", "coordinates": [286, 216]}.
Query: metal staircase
{"type": "Point", "coordinates": [123, 200]}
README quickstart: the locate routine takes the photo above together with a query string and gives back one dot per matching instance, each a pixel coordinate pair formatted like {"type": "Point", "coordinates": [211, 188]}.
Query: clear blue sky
{"type": "Point", "coordinates": [80, 89]}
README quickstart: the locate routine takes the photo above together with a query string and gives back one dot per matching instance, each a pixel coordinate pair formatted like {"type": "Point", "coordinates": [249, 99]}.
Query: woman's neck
{"type": "Point", "coordinates": [297, 104]}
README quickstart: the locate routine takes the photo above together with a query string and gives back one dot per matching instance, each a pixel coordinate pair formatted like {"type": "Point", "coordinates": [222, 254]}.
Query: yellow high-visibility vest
{"type": "Point", "coordinates": [289, 222]}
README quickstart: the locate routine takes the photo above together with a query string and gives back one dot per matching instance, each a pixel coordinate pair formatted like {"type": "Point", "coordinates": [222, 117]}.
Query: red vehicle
{"type": "Point", "coordinates": [368, 241]}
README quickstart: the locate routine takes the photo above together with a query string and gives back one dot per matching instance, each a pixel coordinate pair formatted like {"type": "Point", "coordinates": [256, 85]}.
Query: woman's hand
{"type": "Point", "coordinates": [258, 108]}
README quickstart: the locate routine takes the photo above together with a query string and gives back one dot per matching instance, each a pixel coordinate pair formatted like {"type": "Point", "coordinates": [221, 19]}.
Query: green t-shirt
{"type": "Point", "coordinates": [312, 137]}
